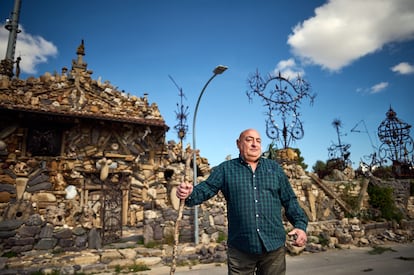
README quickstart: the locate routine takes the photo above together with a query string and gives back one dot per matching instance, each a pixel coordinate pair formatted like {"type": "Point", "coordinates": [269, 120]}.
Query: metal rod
{"type": "Point", "coordinates": [218, 70]}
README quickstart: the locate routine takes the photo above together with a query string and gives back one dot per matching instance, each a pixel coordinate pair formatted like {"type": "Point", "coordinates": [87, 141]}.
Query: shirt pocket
{"type": "Point", "coordinates": [268, 182]}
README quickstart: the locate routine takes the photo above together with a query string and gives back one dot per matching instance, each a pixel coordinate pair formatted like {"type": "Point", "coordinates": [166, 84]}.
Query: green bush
{"type": "Point", "coordinates": [381, 199]}
{"type": "Point", "coordinates": [320, 169]}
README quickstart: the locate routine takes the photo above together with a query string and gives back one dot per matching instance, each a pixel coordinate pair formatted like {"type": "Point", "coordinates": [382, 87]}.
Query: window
{"type": "Point", "coordinates": [43, 141]}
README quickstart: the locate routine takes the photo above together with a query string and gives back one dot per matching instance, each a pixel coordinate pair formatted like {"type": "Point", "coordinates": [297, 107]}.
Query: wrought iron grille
{"type": "Point", "coordinates": [112, 208]}
{"type": "Point", "coordinates": [282, 102]}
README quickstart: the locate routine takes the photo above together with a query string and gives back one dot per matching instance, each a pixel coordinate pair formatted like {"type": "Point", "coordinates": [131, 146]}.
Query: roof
{"type": "Point", "coordinates": [75, 94]}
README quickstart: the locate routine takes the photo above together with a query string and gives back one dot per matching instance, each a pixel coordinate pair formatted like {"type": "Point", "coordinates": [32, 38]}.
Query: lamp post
{"type": "Point", "coordinates": [218, 70]}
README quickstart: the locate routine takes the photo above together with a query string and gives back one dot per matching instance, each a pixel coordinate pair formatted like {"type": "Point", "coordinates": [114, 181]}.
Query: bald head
{"type": "Point", "coordinates": [250, 145]}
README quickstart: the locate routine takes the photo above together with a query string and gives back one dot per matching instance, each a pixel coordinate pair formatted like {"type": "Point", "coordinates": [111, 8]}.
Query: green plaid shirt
{"type": "Point", "coordinates": [254, 203]}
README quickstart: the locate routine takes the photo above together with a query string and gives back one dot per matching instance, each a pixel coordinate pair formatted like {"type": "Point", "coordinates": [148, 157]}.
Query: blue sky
{"type": "Point", "coordinates": [358, 57]}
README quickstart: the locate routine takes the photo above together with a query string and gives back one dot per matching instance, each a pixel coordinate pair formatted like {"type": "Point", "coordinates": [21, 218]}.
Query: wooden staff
{"type": "Point", "coordinates": [177, 228]}
{"type": "Point", "coordinates": [176, 237]}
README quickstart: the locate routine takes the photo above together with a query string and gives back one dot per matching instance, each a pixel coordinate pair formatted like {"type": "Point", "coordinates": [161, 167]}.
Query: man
{"type": "Point", "coordinates": [255, 189]}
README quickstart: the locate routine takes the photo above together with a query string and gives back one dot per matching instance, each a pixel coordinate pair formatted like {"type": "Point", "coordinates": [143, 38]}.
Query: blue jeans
{"type": "Point", "coordinates": [267, 263]}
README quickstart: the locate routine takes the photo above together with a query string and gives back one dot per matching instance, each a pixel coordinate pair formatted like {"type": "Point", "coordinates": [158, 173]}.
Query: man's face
{"type": "Point", "coordinates": [250, 145]}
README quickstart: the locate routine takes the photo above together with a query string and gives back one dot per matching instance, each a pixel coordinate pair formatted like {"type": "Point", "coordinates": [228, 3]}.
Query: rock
{"type": "Point", "coordinates": [5, 197]}
{"type": "Point", "coordinates": [63, 233]}
{"type": "Point", "coordinates": [87, 259]}
{"type": "Point", "coordinates": [70, 192]}
{"type": "Point", "coordinates": [21, 183]}
{"type": "Point", "coordinates": [29, 230]}
{"type": "Point", "coordinates": [46, 244]}
{"type": "Point", "coordinates": [94, 239]}
{"type": "Point", "coordinates": [39, 187]}
{"type": "Point", "coordinates": [108, 256]}
{"type": "Point", "coordinates": [44, 197]}
{"type": "Point", "coordinates": [128, 253]}
{"type": "Point", "coordinates": [294, 250]}
{"type": "Point", "coordinates": [35, 219]}
{"type": "Point", "coordinates": [149, 261]}
{"type": "Point", "coordinates": [7, 188]}
{"type": "Point", "coordinates": [46, 231]}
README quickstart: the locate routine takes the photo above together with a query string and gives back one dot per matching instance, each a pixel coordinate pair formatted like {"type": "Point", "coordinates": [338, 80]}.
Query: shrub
{"type": "Point", "coordinates": [320, 169]}
{"type": "Point", "coordinates": [381, 198]}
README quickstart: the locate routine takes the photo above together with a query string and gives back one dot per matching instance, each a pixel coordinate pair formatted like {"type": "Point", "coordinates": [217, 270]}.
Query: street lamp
{"type": "Point", "coordinates": [218, 70]}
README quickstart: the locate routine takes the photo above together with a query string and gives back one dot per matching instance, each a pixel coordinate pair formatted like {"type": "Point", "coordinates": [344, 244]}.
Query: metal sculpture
{"type": "Point", "coordinates": [397, 144]}
{"type": "Point", "coordinates": [181, 114]}
{"type": "Point", "coordinates": [282, 101]}
{"type": "Point", "coordinates": [339, 153]}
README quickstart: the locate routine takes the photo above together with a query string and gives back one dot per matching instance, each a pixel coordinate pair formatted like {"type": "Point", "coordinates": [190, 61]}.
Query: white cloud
{"type": "Point", "coordinates": [343, 31]}
{"type": "Point", "coordinates": [33, 49]}
{"type": "Point", "coordinates": [288, 69]}
{"type": "Point", "coordinates": [378, 87]}
{"type": "Point", "coordinates": [403, 68]}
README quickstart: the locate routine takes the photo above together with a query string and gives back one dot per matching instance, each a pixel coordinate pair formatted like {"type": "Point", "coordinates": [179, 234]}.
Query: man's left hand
{"type": "Point", "coordinates": [301, 237]}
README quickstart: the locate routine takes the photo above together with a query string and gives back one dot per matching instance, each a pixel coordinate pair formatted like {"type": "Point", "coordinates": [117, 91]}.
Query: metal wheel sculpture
{"type": "Point", "coordinates": [397, 144]}
{"type": "Point", "coordinates": [282, 101]}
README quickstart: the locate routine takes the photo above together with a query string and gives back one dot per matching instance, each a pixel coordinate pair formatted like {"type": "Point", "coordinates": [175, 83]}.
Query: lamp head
{"type": "Point", "coordinates": [219, 69]}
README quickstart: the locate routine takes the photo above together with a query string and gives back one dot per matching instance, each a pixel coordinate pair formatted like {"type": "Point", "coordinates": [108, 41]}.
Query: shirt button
{"type": "Point", "coordinates": [255, 201]}
{"type": "Point", "coordinates": [257, 215]}
{"type": "Point", "coordinates": [258, 229]}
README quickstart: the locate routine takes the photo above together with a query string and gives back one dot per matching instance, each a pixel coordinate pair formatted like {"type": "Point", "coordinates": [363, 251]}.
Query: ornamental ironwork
{"type": "Point", "coordinates": [339, 153]}
{"type": "Point", "coordinates": [181, 115]}
{"type": "Point", "coordinates": [282, 98]}
{"type": "Point", "coordinates": [397, 144]}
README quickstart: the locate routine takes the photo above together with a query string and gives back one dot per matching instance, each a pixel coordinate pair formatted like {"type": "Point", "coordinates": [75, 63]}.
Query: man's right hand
{"type": "Point", "coordinates": [184, 190]}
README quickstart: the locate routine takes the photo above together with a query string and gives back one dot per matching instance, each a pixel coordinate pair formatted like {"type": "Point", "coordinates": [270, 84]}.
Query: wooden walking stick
{"type": "Point", "coordinates": [177, 228]}
{"type": "Point", "coordinates": [176, 237]}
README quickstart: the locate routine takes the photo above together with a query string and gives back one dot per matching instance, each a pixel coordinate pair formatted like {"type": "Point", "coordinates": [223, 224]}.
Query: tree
{"type": "Point", "coordinates": [320, 169]}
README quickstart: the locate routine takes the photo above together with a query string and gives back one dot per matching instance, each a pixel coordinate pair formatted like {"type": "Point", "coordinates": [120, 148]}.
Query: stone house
{"type": "Point", "coordinates": [78, 152]}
